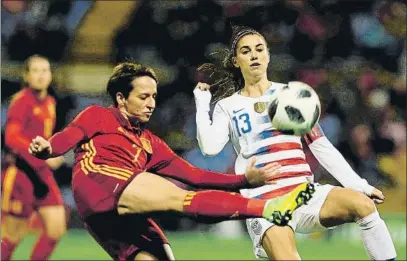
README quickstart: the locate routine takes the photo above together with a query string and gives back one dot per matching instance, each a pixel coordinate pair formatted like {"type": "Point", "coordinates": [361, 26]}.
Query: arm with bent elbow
{"type": "Point", "coordinates": [333, 161]}
{"type": "Point", "coordinates": [165, 162]}
{"type": "Point", "coordinates": [84, 125]}
{"type": "Point", "coordinates": [15, 140]}
{"type": "Point", "coordinates": [212, 135]}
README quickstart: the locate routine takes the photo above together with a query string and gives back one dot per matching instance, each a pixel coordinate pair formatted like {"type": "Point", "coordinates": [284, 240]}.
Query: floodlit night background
{"type": "Point", "coordinates": [352, 52]}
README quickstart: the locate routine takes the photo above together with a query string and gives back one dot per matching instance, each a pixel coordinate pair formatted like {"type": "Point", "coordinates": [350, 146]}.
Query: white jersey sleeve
{"type": "Point", "coordinates": [212, 135]}
{"type": "Point", "coordinates": [333, 161]}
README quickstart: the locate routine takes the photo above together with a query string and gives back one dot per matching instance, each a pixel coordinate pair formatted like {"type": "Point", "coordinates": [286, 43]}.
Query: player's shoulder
{"type": "Point", "coordinates": [96, 109]}
{"type": "Point", "coordinates": [51, 99]}
{"type": "Point", "coordinates": [95, 112]}
{"type": "Point", "coordinates": [275, 87]}
{"type": "Point", "coordinates": [22, 95]}
{"type": "Point", "coordinates": [278, 85]}
{"type": "Point", "coordinates": [230, 101]}
{"type": "Point", "coordinates": [234, 103]}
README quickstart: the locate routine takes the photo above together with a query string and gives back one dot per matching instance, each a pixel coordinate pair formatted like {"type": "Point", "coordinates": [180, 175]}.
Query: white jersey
{"type": "Point", "coordinates": [253, 135]}
{"type": "Point", "coordinates": [244, 120]}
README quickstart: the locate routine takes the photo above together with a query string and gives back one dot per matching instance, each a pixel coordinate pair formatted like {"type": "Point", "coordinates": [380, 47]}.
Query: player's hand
{"type": "Point", "coordinates": [377, 196]}
{"type": "Point", "coordinates": [40, 148]}
{"type": "Point", "coordinates": [202, 95]}
{"type": "Point", "coordinates": [55, 163]}
{"type": "Point", "coordinates": [202, 86]}
{"type": "Point", "coordinates": [260, 176]}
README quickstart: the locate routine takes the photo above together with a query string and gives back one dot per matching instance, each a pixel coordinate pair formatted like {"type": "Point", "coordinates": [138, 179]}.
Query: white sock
{"type": "Point", "coordinates": [376, 237]}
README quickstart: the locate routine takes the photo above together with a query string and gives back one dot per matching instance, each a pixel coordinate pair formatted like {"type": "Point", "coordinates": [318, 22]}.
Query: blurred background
{"type": "Point", "coordinates": [352, 52]}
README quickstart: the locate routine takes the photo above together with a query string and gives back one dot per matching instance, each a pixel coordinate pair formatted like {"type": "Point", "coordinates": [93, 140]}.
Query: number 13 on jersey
{"type": "Point", "coordinates": [242, 123]}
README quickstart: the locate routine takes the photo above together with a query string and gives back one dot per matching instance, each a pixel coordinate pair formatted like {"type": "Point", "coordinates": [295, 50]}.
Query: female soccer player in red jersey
{"type": "Point", "coordinates": [27, 182]}
{"type": "Point", "coordinates": [118, 178]}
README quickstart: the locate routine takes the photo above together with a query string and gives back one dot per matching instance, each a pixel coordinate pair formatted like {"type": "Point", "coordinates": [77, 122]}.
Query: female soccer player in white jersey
{"type": "Point", "coordinates": [242, 90]}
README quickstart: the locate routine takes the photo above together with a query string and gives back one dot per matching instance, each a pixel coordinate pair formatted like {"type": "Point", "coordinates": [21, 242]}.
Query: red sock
{"type": "Point", "coordinates": [43, 248]}
{"type": "Point", "coordinates": [7, 248]}
{"type": "Point", "coordinates": [222, 205]}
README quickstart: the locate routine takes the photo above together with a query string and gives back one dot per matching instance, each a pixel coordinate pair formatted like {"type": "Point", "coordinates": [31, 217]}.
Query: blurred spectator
{"type": "Point", "coordinates": [330, 115]}
{"type": "Point", "coordinates": [394, 165]}
{"type": "Point", "coordinates": [42, 27]}
{"type": "Point", "coordinates": [375, 36]}
{"type": "Point", "coordinates": [358, 150]}
{"type": "Point", "coordinates": [223, 162]}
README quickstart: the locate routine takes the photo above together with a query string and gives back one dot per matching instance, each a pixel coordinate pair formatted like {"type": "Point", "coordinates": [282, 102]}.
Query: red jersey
{"type": "Point", "coordinates": [108, 145]}
{"type": "Point", "coordinates": [28, 117]}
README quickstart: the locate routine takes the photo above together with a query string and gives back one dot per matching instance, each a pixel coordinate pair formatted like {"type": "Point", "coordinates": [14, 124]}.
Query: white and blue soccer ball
{"type": "Point", "coordinates": [294, 109]}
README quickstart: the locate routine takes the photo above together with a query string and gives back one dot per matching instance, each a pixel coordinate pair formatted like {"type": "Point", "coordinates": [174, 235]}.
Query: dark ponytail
{"type": "Point", "coordinates": [223, 77]}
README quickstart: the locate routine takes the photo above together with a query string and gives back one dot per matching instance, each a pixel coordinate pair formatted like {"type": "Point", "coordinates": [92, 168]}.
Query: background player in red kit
{"type": "Point", "coordinates": [113, 182]}
{"type": "Point", "coordinates": [27, 182]}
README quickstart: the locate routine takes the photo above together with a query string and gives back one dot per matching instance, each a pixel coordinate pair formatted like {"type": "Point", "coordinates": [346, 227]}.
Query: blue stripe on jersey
{"type": "Point", "coordinates": [263, 119]}
{"type": "Point", "coordinates": [260, 151]}
{"type": "Point", "coordinates": [261, 165]}
{"type": "Point", "coordinates": [264, 135]}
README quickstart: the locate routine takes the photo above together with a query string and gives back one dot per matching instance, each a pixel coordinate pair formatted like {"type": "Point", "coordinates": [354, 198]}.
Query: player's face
{"type": "Point", "coordinates": [141, 101]}
{"type": "Point", "coordinates": [252, 55]}
{"type": "Point", "coordinates": [39, 74]}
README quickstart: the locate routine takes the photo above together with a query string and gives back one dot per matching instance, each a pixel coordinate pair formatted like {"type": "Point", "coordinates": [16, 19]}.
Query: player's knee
{"type": "Point", "coordinates": [55, 226]}
{"type": "Point", "coordinates": [279, 243]}
{"type": "Point", "coordinates": [363, 206]}
{"type": "Point", "coordinates": [56, 231]}
{"type": "Point", "coordinates": [14, 231]}
{"type": "Point", "coordinates": [14, 235]}
{"type": "Point", "coordinates": [176, 200]}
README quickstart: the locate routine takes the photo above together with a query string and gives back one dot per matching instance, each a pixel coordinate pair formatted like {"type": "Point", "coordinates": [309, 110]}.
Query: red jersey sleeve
{"type": "Point", "coordinates": [314, 134]}
{"type": "Point", "coordinates": [85, 125]}
{"type": "Point", "coordinates": [19, 107]}
{"type": "Point", "coordinates": [14, 139]}
{"type": "Point", "coordinates": [165, 162]}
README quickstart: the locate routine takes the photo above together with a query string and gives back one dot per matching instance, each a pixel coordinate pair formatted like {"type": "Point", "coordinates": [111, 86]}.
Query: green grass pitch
{"type": "Point", "coordinates": [77, 244]}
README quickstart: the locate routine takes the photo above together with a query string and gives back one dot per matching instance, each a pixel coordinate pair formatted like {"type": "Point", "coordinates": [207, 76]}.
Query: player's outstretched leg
{"type": "Point", "coordinates": [149, 192]}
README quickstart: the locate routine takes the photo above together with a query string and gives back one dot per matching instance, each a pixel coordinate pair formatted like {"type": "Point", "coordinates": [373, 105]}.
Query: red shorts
{"type": "Point", "coordinates": [17, 192]}
{"type": "Point", "coordinates": [122, 237]}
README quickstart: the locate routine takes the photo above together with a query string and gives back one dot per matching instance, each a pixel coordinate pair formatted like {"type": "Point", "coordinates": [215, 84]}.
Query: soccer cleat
{"type": "Point", "coordinates": [279, 210]}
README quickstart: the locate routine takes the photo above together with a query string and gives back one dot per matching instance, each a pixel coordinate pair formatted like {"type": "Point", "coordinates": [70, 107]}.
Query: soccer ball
{"type": "Point", "coordinates": [294, 109]}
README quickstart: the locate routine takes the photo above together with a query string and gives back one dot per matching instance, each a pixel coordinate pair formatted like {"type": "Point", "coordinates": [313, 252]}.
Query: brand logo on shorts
{"type": "Point", "coordinates": [256, 227]}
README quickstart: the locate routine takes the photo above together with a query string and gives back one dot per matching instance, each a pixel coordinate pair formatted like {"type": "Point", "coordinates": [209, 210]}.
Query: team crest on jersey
{"type": "Point", "coordinates": [37, 110]}
{"type": "Point", "coordinates": [259, 107]}
{"type": "Point", "coordinates": [146, 145]}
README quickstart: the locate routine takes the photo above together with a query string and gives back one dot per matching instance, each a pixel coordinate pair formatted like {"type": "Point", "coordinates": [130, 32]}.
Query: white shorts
{"type": "Point", "coordinates": [305, 220]}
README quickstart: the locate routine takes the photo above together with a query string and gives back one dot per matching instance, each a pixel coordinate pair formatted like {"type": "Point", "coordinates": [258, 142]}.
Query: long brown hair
{"type": "Point", "coordinates": [224, 78]}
